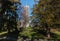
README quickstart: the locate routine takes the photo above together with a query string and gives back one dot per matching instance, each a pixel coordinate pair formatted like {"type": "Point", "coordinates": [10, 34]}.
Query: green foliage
{"type": "Point", "coordinates": [47, 11]}
{"type": "Point", "coordinates": [30, 33]}
{"type": "Point", "coordinates": [27, 32]}
{"type": "Point", "coordinates": [8, 14]}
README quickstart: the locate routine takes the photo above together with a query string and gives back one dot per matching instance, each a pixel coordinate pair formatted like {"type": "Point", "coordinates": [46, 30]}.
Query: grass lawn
{"type": "Point", "coordinates": [57, 32]}
{"type": "Point", "coordinates": [1, 33]}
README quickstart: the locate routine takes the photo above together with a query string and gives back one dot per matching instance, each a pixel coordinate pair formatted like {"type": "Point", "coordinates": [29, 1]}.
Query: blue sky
{"type": "Point", "coordinates": [28, 2]}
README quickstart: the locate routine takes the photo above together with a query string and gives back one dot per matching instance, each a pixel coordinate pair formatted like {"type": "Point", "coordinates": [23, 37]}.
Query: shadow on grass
{"type": "Point", "coordinates": [12, 36]}
{"type": "Point", "coordinates": [55, 36]}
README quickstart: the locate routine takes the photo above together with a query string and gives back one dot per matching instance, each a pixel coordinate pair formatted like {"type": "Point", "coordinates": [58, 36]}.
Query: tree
{"type": "Point", "coordinates": [8, 14]}
{"type": "Point", "coordinates": [48, 13]}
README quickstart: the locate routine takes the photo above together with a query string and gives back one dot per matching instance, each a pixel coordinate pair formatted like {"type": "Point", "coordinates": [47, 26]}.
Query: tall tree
{"type": "Point", "coordinates": [48, 13]}
{"type": "Point", "coordinates": [8, 14]}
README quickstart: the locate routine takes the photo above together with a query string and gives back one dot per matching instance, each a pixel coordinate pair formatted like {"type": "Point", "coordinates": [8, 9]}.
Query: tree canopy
{"type": "Point", "coordinates": [8, 14]}
{"type": "Point", "coordinates": [48, 13]}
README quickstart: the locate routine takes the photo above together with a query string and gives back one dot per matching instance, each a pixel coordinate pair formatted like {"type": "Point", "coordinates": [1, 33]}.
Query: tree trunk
{"type": "Point", "coordinates": [48, 32]}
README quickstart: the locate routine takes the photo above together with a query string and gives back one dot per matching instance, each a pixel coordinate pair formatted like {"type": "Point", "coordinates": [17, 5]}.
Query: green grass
{"type": "Point", "coordinates": [1, 33]}
{"type": "Point", "coordinates": [57, 32]}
